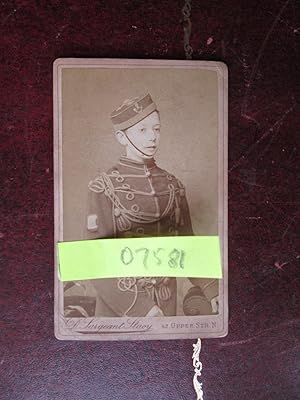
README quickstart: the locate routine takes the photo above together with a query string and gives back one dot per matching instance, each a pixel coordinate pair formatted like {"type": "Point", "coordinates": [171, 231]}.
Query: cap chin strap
{"type": "Point", "coordinates": [140, 151]}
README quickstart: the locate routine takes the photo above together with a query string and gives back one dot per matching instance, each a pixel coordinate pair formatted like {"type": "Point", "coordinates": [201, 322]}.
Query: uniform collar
{"type": "Point", "coordinates": [137, 164]}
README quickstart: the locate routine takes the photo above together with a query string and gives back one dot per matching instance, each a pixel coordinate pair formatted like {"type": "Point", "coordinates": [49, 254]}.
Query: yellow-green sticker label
{"type": "Point", "coordinates": [179, 256]}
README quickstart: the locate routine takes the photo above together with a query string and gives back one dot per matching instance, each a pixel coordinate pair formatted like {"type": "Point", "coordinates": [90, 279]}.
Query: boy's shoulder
{"type": "Point", "coordinates": [111, 171]}
{"type": "Point", "coordinates": [101, 179]}
{"type": "Point", "coordinates": [115, 169]}
{"type": "Point", "coordinates": [168, 174]}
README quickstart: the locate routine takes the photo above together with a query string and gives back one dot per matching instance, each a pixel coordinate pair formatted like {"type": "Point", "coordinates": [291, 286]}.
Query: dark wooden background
{"type": "Point", "coordinates": [259, 41]}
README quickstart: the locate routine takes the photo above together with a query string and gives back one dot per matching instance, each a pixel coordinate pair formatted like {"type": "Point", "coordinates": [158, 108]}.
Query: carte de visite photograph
{"type": "Point", "coordinates": [140, 150]}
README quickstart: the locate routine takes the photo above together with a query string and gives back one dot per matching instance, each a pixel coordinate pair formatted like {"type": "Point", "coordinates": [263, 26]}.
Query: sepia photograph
{"type": "Point", "coordinates": [140, 150]}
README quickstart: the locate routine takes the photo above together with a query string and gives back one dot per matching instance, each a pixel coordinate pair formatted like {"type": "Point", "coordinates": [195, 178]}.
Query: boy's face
{"type": "Point", "coordinates": [143, 137]}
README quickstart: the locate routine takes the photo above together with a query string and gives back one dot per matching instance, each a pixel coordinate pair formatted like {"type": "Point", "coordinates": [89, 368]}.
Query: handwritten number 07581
{"type": "Point", "coordinates": [175, 258]}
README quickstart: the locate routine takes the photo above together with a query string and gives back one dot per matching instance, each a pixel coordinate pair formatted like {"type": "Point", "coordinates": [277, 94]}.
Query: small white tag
{"type": "Point", "coordinates": [92, 224]}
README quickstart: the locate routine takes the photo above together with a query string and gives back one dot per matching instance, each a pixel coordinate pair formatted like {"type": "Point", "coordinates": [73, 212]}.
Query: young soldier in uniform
{"type": "Point", "coordinates": [137, 198]}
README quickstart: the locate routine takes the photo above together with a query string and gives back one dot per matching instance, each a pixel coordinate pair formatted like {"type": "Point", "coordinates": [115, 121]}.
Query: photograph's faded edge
{"type": "Point", "coordinates": [57, 182]}
{"type": "Point", "coordinates": [217, 66]}
{"type": "Point", "coordinates": [222, 72]}
{"type": "Point", "coordinates": [55, 191]}
{"type": "Point", "coordinates": [139, 338]}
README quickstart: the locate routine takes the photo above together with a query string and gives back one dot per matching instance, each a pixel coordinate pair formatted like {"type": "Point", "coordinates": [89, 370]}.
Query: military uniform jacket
{"type": "Point", "coordinates": [139, 199]}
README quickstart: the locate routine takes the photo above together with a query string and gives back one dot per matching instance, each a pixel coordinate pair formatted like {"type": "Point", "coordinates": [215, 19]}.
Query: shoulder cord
{"type": "Point", "coordinates": [104, 184]}
{"type": "Point", "coordinates": [130, 285]}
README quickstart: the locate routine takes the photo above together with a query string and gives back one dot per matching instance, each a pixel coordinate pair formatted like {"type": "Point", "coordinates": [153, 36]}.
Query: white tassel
{"type": "Point", "coordinates": [197, 369]}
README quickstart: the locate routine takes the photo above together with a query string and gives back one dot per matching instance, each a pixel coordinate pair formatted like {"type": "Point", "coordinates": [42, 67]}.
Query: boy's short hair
{"type": "Point", "coordinates": [132, 111]}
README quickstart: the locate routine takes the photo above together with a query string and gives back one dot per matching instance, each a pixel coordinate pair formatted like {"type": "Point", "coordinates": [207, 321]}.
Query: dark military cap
{"type": "Point", "coordinates": [132, 111]}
